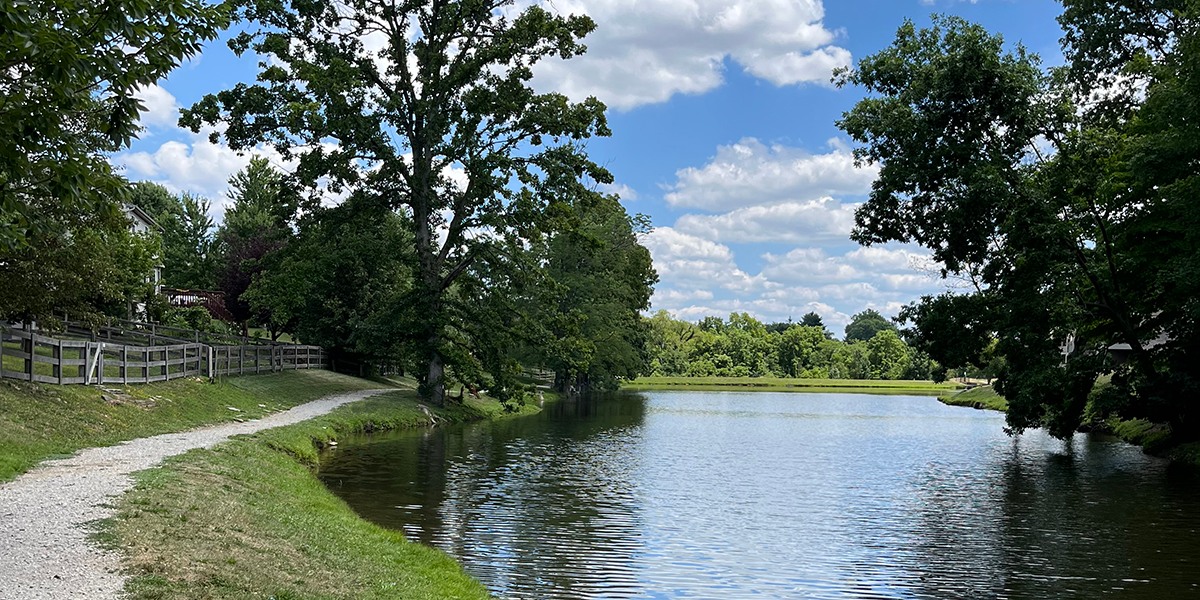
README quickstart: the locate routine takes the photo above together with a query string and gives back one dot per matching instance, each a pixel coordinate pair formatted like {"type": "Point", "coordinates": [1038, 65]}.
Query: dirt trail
{"type": "Point", "coordinates": [45, 553]}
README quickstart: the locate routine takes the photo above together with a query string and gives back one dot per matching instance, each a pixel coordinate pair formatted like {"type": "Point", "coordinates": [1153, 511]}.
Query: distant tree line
{"type": "Point", "coordinates": [742, 346]}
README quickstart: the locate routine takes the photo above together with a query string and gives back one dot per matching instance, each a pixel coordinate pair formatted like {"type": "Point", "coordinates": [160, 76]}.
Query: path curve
{"type": "Point", "coordinates": [45, 553]}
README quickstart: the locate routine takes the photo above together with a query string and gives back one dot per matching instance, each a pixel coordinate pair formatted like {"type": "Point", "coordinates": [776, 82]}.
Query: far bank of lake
{"type": "Point", "coordinates": [793, 384]}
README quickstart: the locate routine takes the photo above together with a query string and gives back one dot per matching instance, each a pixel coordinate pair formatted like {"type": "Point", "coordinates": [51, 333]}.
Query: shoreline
{"type": "Point", "coordinates": [250, 518]}
{"type": "Point", "coordinates": [1153, 438]}
{"type": "Point", "coordinates": [781, 384]}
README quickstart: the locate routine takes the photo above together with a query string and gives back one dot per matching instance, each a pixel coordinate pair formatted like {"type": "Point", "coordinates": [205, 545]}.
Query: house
{"type": "Point", "coordinates": [140, 222]}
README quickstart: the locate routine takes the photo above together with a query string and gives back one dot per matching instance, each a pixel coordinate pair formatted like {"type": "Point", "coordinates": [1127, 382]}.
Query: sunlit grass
{"type": "Point", "coordinates": [41, 420]}
{"type": "Point", "coordinates": [248, 519]}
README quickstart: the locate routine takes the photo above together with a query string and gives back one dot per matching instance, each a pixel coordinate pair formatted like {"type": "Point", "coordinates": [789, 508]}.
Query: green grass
{"type": "Point", "coordinates": [248, 519]}
{"type": "Point", "coordinates": [982, 397]}
{"type": "Point", "coordinates": [266, 335]}
{"type": "Point", "coordinates": [866, 386]}
{"type": "Point", "coordinates": [40, 420]}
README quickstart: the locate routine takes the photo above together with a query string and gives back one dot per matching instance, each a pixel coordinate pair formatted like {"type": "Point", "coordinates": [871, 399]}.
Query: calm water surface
{"type": "Point", "coordinates": [780, 495]}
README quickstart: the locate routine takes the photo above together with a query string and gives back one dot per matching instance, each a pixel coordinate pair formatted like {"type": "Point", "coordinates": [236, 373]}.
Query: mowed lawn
{"type": "Point", "coordinates": [40, 421]}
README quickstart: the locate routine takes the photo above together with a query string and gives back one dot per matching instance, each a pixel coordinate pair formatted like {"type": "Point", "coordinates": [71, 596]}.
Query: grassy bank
{"type": "Point", "coordinates": [982, 397]}
{"type": "Point", "coordinates": [248, 519]}
{"type": "Point", "coordinates": [39, 421]}
{"type": "Point", "coordinates": [785, 384]}
{"type": "Point", "coordinates": [1153, 438]}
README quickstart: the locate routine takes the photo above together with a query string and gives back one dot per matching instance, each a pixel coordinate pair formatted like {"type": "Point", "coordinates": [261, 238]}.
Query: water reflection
{"type": "Point", "coordinates": [730, 495]}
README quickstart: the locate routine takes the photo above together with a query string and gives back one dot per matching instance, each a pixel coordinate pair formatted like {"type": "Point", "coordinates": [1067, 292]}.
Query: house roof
{"type": "Point", "coordinates": [140, 214]}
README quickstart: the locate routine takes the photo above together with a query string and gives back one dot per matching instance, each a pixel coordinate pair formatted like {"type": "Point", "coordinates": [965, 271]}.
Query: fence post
{"type": "Point", "coordinates": [58, 361]}
{"type": "Point", "coordinates": [124, 364]}
{"type": "Point", "coordinates": [27, 346]}
{"type": "Point", "coordinates": [100, 364]}
{"type": "Point", "coordinates": [210, 362]}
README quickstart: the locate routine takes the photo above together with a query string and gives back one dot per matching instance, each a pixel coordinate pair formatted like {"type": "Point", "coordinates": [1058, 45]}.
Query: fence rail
{"type": "Point", "coordinates": [29, 356]}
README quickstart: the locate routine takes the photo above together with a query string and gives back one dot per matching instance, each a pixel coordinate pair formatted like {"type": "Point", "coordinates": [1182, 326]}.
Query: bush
{"type": "Point", "coordinates": [193, 317]}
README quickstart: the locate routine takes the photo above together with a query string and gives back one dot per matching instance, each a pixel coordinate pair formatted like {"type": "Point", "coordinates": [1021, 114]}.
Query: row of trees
{"type": "Point", "coordinates": [1067, 199]}
{"type": "Point", "coordinates": [468, 234]}
{"type": "Point", "coordinates": [745, 347]}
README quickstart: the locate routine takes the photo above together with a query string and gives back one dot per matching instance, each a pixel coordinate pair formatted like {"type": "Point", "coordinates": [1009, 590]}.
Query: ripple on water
{"type": "Point", "coordinates": [780, 495]}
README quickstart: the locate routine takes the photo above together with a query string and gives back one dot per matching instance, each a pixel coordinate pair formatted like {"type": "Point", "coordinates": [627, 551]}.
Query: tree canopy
{"type": "Point", "coordinates": [435, 118]}
{"type": "Point", "coordinates": [864, 325]}
{"type": "Point", "coordinates": [71, 72]}
{"type": "Point", "coordinates": [741, 346]}
{"type": "Point", "coordinates": [1058, 195]}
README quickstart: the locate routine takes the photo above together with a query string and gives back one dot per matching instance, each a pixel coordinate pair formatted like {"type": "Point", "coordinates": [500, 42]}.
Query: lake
{"type": "Point", "coordinates": [685, 494]}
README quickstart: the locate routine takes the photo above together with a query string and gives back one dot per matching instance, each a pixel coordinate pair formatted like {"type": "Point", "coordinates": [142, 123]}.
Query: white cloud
{"type": "Point", "coordinates": [645, 51]}
{"type": "Point", "coordinates": [199, 167]}
{"type": "Point", "coordinates": [789, 285]}
{"type": "Point", "coordinates": [625, 192]}
{"type": "Point", "coordinates": [791, 222]}
{"type": "Point", "coordinates": [666, 297]}
{"type": "Point", "coordinates": [812, 265]}
{"type": "Point", "coordinates": [691, 262]}
{"type": "Point", "coordinates": [751, 173]}
{"type": "Point", "coordinates": [162, 110]}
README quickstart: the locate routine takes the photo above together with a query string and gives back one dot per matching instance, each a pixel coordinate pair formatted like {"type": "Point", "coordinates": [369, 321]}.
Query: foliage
{"type": "Point", "coordinates": [337, 283]}
{"type": "Point", "coordinates": [744, 347]}
{"type": "Point", "coordinates": [601, 279]}
{"type": "Point", "coordinates": [864, 325]}
{"type": "Point", "coordinates": [1061, 195]}
{"type": "Point", "coordinates": [154, 199]}
{"type": "Point", "coordinates": [254, 228]}
{"type": "Point", "coordinates": [189, 252]}
{"type": "Point", "coordinates": [192, 317]}
{"type": "Point", "coordinates": [438, 122]}
{"type": "Point", "coordinates": [94, 267]}
{"type": "Point", "coordinates": [70, 74]}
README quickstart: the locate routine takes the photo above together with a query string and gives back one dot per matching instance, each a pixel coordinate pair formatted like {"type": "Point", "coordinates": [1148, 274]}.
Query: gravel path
{"type": "Point", "coordinates": [45, 553]}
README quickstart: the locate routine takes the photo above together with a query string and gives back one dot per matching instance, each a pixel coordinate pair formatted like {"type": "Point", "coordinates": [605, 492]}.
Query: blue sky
{"type": "Point", "coordinates": [723, 132]}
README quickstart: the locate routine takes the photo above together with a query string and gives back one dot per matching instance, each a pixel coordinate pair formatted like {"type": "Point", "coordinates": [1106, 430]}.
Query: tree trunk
{"type": "Point", "coordinates": [436, 382]}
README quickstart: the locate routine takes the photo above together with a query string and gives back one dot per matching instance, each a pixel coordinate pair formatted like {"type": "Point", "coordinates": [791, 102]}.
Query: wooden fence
{"type": "Point", "coordinates": [28, 356]}
{"type": "Point", "coordinates": [238, 360]}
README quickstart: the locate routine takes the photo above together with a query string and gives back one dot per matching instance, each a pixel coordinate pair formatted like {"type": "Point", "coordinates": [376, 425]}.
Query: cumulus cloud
{"type": "Point", "coordinates": [646, 51]}
{"type": "Point", "coordinates": [197, 166]}
{"type": "Point", "coordinates": [803, 222]}
{"type": "Point", "coordinates": [790, 285]}
{"type": "Point", "coordinates": [694, 263]}
{"type": "Point", "coordinates": [750, 173]}
{"type": "Point", "coordinates": [162, 110]}
{"type": "Point", "coordinates": [620, 189]}
{"type": "Point", "coordinates": [813, 265]}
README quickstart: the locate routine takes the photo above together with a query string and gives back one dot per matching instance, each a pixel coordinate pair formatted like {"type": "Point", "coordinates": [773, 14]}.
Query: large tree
{"type": "Point", "coordinates": [188, 246]}
{"type": "Point", "coordinates": [864, 325]}
{"type": "Point", "coordinates": [1054, 193]}
{"type": "Point", "coordinates": [600, 280]}
{"type": "Point", "coordinates": [256, 226]}
{"type": "Point", "coordinates": [425, 105]}
{"type": "Point", "coordinates": [337, 281]}
{"type": "Point", "coordinates": [69, 75]}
